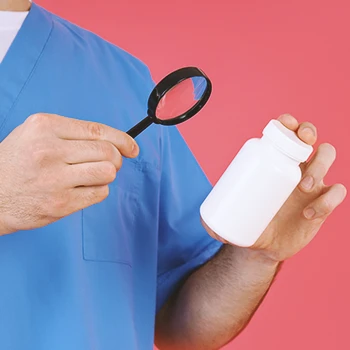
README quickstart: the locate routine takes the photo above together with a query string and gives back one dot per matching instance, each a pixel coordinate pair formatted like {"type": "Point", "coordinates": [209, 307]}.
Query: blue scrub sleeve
{"type": "Point", "coordinates": [183, 245]}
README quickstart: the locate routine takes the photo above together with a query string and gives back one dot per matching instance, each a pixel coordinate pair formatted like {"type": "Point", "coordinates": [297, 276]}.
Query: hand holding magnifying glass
{"type": "Point", "coordinates": [175, 99]}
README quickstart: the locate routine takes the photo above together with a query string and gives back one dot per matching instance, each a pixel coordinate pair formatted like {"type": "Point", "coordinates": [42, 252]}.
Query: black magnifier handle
{"type": "Point", "coordinates": [139, 127]}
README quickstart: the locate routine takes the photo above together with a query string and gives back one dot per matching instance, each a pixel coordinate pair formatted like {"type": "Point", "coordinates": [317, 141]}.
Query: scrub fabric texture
{"type": "Point", "coordinates": [95, 279]}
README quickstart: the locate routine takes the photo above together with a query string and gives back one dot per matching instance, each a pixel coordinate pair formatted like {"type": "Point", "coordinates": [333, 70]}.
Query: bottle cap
{"type": "Point", "coordinates": [287, 141]}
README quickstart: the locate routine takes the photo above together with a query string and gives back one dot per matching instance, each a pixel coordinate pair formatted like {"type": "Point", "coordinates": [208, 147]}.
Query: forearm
{"type": "Point", "coordinates": [216, 302]}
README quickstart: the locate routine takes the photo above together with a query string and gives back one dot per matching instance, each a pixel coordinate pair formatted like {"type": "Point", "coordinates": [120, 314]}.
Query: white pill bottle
{"type": "Point", "coordinates": [255, 185]}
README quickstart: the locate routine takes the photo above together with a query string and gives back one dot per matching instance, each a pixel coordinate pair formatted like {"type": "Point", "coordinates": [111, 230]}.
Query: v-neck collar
{"type": "Point", "coordinates": [22, 57]}
{"type": "Point", "coordinates": [12, 19]}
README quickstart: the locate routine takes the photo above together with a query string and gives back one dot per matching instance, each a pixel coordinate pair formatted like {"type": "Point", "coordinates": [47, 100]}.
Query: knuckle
{"type": "Point", "coordinates": [92, 172]}
{"type": "Point", "coordinates": [104, 172]}
{"type": "Point", "coordinates": [95, 130]}
{"type": "Point", "coordinates": [110, 172]}
{"type": "Point", "coordinates": [58, 205]}
{"type": "Point", "coordinates": [38, 120]}
{"type": "Point", "coordinates": [40, 152]}
{"type": "Point", "coordinates": [99, 194]}
{"type": "Point", "coordinates": [107, 150]}
{"type": "Point", "coordinates": [104, 192]}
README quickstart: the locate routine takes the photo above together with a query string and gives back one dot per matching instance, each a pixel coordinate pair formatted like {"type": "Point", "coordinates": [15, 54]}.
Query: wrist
{"type": "Point", "coordinates": [254, 257]}
{"type": "Point", "coordinates": [253, 267]}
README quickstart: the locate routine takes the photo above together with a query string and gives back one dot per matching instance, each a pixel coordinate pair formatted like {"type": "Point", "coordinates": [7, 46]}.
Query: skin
{"type": "Point", "coordinates": [14, 5]}
{"type": "Point", "coordinates": [217, 301]}
{"type": "Point", "coordinates": [57, 182]}
{"type": "Point", "coordinates": [214, 303]}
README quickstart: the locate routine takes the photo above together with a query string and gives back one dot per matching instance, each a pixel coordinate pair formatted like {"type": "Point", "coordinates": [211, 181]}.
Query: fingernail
{"type": "Point", "coordinates": [307, 183]}
{"type": "Point", "coordinates": [309, 131]}
{"type": "Point", "coordinates": [309, 213]}
{"type": "Point", "coordinates": [285, 115]}
{"type": "Point", "coordinates": [134, 148]}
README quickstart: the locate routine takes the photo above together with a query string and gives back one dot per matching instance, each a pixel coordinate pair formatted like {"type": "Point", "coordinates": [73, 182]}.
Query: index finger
{"type": "Point", "coordinates": [75, 129]}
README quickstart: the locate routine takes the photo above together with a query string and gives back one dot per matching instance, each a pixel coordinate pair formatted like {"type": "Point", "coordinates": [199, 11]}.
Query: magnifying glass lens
{"type": "Point", "coordinates": [181, 98]}
{"type": "Point", "coordinates": [175, 99]}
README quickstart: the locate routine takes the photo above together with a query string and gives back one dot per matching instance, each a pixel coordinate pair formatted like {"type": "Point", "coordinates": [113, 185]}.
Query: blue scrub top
{"type": "Point", "coordinates": [95, 279]}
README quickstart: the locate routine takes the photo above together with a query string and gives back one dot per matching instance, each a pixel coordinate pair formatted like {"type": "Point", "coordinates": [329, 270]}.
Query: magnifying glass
{"type": "Point", "coordinates": [175, 99]}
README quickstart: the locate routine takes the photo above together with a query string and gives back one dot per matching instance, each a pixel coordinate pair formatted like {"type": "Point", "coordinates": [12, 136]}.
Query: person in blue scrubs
{"type": "Point", "coordinates": [101, 242]}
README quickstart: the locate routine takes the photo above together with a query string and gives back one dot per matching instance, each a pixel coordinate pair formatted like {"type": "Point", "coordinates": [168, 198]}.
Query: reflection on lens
{"type": "Point", "coordinates": [181, 98]}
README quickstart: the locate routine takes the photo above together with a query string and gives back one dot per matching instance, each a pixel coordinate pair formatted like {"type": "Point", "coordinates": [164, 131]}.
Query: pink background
{"type": "Point", "coordinates": [265, 58]}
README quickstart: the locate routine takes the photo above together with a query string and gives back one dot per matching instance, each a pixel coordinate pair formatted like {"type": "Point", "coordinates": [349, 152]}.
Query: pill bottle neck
{"type": "Point", "coordinates": [278, 151]}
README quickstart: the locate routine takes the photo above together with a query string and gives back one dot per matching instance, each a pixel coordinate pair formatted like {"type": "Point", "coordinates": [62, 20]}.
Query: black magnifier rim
{"type": "Point", "coordinates": [167, 84]}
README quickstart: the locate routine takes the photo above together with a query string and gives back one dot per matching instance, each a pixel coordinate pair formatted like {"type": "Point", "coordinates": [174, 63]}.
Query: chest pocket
{"type": "Point", "coordinates": [109, 226]}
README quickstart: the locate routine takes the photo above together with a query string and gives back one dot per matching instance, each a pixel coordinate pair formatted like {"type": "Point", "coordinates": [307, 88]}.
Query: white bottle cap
{"type": "Point", "coordinates": [287, 141]}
